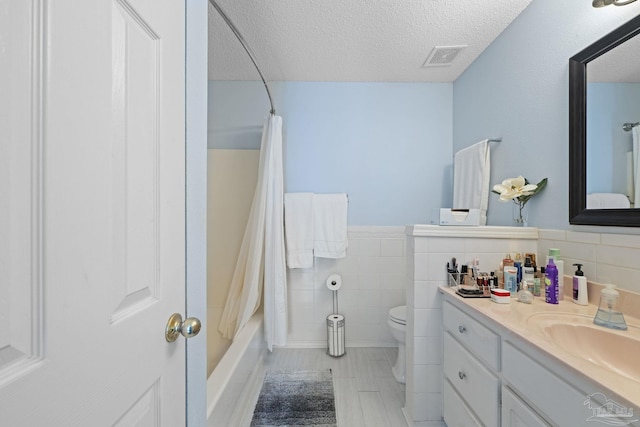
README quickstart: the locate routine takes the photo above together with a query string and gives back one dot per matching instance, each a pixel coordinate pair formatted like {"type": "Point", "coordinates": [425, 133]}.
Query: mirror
{"type": "Point", "coordinates": [598, 144]}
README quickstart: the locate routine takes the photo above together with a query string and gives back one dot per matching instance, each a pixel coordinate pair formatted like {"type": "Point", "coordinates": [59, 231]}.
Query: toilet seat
{"type": "Point", "coordinates": [398, 315]}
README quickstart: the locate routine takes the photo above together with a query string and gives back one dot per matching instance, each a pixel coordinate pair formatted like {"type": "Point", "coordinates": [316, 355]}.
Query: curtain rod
{"type": "Point", "coordinates": [628, 126]}
{"type": "Point", "coordinates": [246, 48]}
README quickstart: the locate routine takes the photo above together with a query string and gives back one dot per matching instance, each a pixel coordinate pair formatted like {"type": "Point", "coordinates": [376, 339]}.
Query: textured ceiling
{"type": "Point", "coordinates": [353, 40]}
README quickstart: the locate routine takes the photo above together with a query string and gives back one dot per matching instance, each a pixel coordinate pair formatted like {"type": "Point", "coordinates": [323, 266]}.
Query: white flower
{"type": "Point", "coordinates": [512, 188]}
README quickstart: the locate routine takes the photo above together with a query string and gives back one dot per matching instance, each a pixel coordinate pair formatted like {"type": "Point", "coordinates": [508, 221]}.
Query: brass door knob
{"type": "Point", "coordinates": [190, 327]}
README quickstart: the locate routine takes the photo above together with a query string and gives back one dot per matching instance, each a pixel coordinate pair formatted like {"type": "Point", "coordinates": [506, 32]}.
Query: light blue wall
{"type": "Point", "coordinates": [610, 105]}
{"type": "Point", "coordinates": [519, 89]}
{"type": "Point", "coordinates": [388, 145]}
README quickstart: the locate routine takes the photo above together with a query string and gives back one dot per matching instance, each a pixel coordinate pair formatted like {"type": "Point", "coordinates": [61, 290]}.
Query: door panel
{"type": "Point", "coordinates": [96, 217]}
{"type": "Point", "coordinates": [20, 176]}
{"type": "Point", "coordinates": [135, 161]}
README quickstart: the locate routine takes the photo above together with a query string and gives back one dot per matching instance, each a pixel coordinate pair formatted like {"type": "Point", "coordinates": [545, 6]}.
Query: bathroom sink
{"type": "Point", "coordinates": [611, 349]}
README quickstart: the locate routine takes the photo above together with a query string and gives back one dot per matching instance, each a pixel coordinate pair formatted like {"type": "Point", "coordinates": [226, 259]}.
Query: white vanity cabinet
{"type": "Point", "coordinates": [559, 395]}
{"type": "Point", "coordinates": [472, 387]}
{"type": "Point", "coordinates": [516, 413]}
{"type": "Point", "coordinates": [493, 377]}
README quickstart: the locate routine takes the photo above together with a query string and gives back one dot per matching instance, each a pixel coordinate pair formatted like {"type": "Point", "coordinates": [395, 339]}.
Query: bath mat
{"type": "Point", "coordinates": [296, 398]}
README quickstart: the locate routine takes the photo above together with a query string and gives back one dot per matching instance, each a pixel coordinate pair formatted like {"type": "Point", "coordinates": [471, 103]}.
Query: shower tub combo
{"type": "Point", "coordinates": [233, 383]}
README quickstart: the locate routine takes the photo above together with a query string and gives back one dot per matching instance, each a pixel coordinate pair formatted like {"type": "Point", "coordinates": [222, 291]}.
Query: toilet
{"type": "Point", "coordinates": [397, 322]}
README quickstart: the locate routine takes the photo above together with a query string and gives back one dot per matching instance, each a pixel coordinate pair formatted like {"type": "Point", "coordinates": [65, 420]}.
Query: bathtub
{"type": "Point", "coordinates": [234, 383]}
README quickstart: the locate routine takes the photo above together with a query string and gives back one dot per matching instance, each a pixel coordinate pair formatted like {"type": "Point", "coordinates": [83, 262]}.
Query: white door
{"type": "Point", "coordinates": [92, 212]}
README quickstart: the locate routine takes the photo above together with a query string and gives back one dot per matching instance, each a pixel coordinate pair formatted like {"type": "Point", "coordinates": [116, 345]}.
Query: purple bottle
{"type": "Point", "coordinates": [551, 283]}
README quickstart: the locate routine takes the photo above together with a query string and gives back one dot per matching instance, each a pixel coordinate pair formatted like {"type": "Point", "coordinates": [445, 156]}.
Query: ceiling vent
{"type": "Point", "coordinates": [443, 56]}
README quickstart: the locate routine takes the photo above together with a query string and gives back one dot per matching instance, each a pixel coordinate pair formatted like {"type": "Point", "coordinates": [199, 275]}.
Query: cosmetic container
{"type": "Point", "coordinates": [500, 296]}
{"type": "Point", "coordinates": [580, 287]}
{"type": "Point", "coordinates": [507, 261]}
{"type": "Point", "coordinates": [511, 279]}
{"type": "Point", "coordinates": [538, 281]}
{"type": "Point", "coordinates": [551, 283]}
{"type": "Point", "coordinates": [517, 263]}
{"type": "Point", "coordinates": [524, 294]}
{"type": "Point", "coordinates": [528, 271]}
{"type": "Point", "coordinates": [554, 254]}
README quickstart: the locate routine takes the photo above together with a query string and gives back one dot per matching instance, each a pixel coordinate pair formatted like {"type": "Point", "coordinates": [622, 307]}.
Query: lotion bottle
{"type": "Point", "coordinates": [580, 287]}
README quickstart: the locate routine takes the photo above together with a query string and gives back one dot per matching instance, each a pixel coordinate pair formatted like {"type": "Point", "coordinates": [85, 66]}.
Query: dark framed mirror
{"type": "Point", "coordinates": [579, 140]}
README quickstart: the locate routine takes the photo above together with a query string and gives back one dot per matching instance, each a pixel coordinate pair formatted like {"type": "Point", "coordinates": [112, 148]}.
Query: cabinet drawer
{"type": "Point", "coordinates": [547, 393]}
{"type": "Point", "coordinates": [516, 413]}
{"type": "Point", "coordinates": [477, 386]}
{"type": "Point", "coordinates": [477, 338]}
{"type": "Point", "coordinates": [456, 413]}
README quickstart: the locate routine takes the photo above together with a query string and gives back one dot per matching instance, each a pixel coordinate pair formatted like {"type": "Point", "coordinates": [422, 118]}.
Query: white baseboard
{"type": "Point", "coordinates": [323, 344]}
{"type": "Point", "coordinates": [422, 423]}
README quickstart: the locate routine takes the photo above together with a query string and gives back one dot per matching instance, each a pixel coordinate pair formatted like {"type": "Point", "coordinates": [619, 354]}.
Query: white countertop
{"type": "Point", "coordinates": [520, 319]}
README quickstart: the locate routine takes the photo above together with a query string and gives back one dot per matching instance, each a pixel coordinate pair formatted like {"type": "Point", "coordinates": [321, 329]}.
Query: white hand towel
{"type": "Point", "coordinates": [330, 225]}
{"type": "Point", "coordinates": [299, 228]}
{"type": "Point", "coordinates": [471, 172]}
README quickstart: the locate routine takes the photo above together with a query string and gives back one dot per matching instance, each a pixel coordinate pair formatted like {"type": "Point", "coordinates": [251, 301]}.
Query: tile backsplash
{"type": "Point", "coordinates": [374, 273]}
{"type": "Point", "coordinates": [606, 257]}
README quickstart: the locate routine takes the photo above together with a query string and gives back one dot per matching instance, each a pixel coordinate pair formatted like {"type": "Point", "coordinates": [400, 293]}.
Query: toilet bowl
{"type": "Point", "coordinates": [397, 321]}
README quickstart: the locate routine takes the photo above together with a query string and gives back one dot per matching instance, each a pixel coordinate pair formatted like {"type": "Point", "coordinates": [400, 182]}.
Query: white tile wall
{"type": "Point", "coordinates": [429, 256]}
{"type": "Point", "coordinates": [373, 281]}
{"type": "Point", "coordinates": [606, 257]}
{"type": "Point", "coordinates": [385, 268]}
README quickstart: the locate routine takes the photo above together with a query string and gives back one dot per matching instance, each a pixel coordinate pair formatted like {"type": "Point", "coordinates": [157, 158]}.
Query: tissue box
{"type": "Point", "coordinates": [459, 216]}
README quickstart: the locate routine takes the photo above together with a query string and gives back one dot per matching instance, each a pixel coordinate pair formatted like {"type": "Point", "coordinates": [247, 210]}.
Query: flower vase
{"type": "Point", "coordinates": [520, 214]}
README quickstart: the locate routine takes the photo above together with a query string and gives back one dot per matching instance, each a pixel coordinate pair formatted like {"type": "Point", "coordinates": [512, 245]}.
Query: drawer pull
{"type": "Point", "coordinates": [462, 329]}
{"type": "Point", "coordinates": [462, 375]}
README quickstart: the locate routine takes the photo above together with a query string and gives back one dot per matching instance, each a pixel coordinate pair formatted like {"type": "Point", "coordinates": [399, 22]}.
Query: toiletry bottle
{"type": "Point", "coordinates": [506, 262]}
{"type": "Point", "coordinates": [518, 265]}
{"type": "Point", "coordinates": [539, 290]}
{"type": "Point", "coordinates": [463, 273]}
{"type": "Point", "coordinates": [475, 268]}
{"type": "Point", "coordinates": [531, 257]}
{"type": "Point", "coordinates": [524, 294]}
{"type": "Point", "coordinates": [536, 282]}
{"type": "Point", "coordinates": [551, 283]}
{"type": "Point", "coordinates": [528, 271]}
{"type": "Point", "coordinates": [580, 287]}
{"type": "Point", "coordinates": [511, 279]}
{"type": "Point", "coordinates": [554, 253]}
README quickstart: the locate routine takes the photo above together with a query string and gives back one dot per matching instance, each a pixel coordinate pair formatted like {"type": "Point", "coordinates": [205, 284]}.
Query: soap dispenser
{"type": "Point", "coordinates": [580, 287]}
{"type": "Point", "coordinates": [609, 314]}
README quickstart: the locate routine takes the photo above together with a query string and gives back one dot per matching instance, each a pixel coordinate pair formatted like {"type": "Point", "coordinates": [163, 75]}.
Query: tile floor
{"type": "Point", "coordinates": [367, 394]}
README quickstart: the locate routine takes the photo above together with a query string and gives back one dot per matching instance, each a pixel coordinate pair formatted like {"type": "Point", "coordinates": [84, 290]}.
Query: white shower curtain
{"type": "Point", "coordinates": [261, 262]}
{"type": "Point", "coordinates": [636, 165]}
